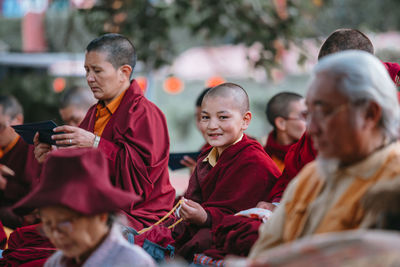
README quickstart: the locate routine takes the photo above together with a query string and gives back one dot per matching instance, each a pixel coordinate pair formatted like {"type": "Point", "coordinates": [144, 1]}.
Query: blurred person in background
{"type": "Point", "coordinates": [74, 104]}
{"type": "Point", "coordinates": [19, 169]}
{"type": "Point", "coordinates": [285, 112]}
{"type": "Point", "coordinates": [188, 161]}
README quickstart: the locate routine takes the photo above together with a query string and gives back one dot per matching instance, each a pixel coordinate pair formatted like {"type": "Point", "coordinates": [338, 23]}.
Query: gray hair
{"type": "Point", "coordinates": [362, 77]}
{"type": "Point", "coordinates": [77, 96]}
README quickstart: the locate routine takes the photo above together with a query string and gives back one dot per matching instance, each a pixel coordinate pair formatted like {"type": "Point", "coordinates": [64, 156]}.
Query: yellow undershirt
{"type": "Point", "coordinates": [213, 156]}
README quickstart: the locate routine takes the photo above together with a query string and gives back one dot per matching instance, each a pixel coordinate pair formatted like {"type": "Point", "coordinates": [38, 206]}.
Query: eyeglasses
{"type": "Point", "coordinates": [300, 118]}
{"type": "Point", "coordinates": [63, 227]}
{"type": "Point", "coordinates": [321, 115]}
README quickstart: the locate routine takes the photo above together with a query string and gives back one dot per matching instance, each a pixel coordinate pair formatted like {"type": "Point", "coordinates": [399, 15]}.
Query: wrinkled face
{"type": "Point", "coordinates": [72, 115]}
{"type": "Point", "coordinates": [104, 80]}
{"type": "Point", "coordinates": [72, 233]}
{"type": "Point", "coordinates": [335, 124]}
{"type": "Point", "coordinates": [222, 121]}
{"type": "Point", "coordinates": [295, 122]}
{"type": "Point", "coordinates": [7, 134]}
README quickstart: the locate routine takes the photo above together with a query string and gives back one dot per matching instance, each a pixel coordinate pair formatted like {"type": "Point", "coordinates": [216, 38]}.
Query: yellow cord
{"type": "Point", "coordinates": [144, 230]}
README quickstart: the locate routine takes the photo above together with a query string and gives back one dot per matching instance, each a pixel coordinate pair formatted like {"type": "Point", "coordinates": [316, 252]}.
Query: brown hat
{"type": "Point", "coordinates": [78, 179]}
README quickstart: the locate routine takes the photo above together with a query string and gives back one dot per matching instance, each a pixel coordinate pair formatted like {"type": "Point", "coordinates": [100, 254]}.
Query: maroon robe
{"type": "Point", "coordinates": [21, 160]}
{"type": "Point", "coordinates": [136, 143]}
{"type": "Point", "coordinates": [243, 176]}
{"type": "Point", "coordinates": [275, 150]}
{"type": "Point", "coordinates": [297, 157]}
{"type": "Point", "coordinates": [27, 247]}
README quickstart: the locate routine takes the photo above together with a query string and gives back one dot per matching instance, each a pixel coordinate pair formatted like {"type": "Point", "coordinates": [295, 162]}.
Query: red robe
{"type": "Point", "coordinates": [136, 143]}
{"type": "Point", "coordinates": [21, 160]}
{"type": "Point", "coordinates": [276, 151]}
{"type": "Point", "coordinates": [27, 247]}
{"type": "Point", "coordinates": [298, 155]}
{"type": "Point", "coordinates": [240, 179]}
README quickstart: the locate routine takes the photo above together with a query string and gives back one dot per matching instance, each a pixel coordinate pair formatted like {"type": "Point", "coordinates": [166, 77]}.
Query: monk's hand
{"type": "Point", "coordinates": [189, 162]}
{"type": "Point", "coordinates": [266, 205]}
{"type": "Point", "coordinates": [193, 212]}
{"type": "Point", "coordinates": [71, 136]}
{"type": "Point", "coordinates": [41, 149]}
{"type": "Point", "coordinates": [4, 170]}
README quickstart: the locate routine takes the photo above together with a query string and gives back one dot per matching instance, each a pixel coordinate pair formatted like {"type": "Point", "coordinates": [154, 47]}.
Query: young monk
{"type": "Point", "coordinates": [285, 113]}
{"type": "Point", "coordinates": [231, 176]}
{"type": "Point", "coordinates": [17, 163]}
{"type": "Point", "coordinates": [128, 128]}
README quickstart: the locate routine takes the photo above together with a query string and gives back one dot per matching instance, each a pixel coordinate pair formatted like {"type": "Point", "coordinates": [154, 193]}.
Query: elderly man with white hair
{"type": "Point", "coordinates": [353, 117]}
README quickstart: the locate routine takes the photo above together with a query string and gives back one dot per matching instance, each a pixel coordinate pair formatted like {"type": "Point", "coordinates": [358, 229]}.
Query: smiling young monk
{"type": "Point", "coordinates": [231, 176]}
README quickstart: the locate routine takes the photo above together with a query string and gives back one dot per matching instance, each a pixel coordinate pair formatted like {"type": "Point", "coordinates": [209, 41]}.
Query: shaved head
{"type": "Point", "coordinates": [233, 91]}
{"type": "Point", "coordinates": [345, 39]}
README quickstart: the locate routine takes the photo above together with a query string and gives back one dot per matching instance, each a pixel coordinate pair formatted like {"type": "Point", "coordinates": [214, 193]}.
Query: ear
{"type": "Point", "coordinates": [373, 114]}
{"type": "Point", "coordinates": [246, 120]}
{"type": "Point", "coordinates": [280, 124]}
{"type": "Point", "coordinates": [126, 71]}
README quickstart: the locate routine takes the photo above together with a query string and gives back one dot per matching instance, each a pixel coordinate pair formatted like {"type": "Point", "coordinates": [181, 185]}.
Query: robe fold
{"type": "Point", "coordinates": [234, 236]}
{"type": "Point", "coordinates": [243, 176]}
{"type": "Point", "coordinates": [27, 247]}
{"type": "Point", "coordinates": [21, 160]}
{"type": "Point", "coordinates": [136, 143]}
{"type": "Point", "coordinates": [276, 151]}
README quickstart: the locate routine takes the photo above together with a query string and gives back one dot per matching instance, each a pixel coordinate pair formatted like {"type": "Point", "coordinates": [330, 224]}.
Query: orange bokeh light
{"type": "Point", "coordinates": [173, 85]}
{"type": "Point", "coordinates": [142, 81]}
{"type": "Point", "coordinates": [59, 84]}
{"type": "Point", "coordinates": [214, 81]}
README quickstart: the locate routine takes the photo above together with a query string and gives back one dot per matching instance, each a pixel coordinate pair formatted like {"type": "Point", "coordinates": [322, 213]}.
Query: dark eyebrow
{"type": "Point", "coordinates": [223, 111]}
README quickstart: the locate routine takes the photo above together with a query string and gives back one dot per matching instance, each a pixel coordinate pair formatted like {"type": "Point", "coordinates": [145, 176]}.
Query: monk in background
{"type": "Point", "coordinates": [232, 175]}
{"type": "Point", "coordinates": [74, 104]}
{"type": "Point", "coordinates": [285, 113]}
{"type": "Point", "coordinates": [19, 169]}
{"type": "Point", "coordinates": [303, 151]}
{"type": "Point", "coordinates": [128, 128]}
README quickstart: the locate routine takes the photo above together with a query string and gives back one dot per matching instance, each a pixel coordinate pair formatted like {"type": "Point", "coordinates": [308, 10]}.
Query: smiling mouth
{"type": "Point", "coordinates": [214, 135]}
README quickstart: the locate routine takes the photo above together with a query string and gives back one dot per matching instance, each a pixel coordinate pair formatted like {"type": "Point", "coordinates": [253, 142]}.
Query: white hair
{"type": "Point", "coordinates": [362, 76]}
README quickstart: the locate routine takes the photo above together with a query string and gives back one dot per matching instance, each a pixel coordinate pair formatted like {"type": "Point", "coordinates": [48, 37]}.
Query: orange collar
{"type": "Point", "coordinates": [10, 146]}
{"type": "Point", "coordinates": [113, 105]}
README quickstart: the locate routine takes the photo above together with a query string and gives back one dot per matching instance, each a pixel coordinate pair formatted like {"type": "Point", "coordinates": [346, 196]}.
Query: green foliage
{"type": "Point", "coordinates": [149, 24]}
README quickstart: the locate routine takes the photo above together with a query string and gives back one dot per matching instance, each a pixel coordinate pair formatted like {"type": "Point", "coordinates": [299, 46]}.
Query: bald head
{"type": "Point", "coordinates": [345, 39]}
{"type": "Point", "coordinates": [233, 91]}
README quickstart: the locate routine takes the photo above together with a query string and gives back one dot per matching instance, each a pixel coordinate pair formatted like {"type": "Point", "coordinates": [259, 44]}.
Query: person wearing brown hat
{"type": "Point", "coordinates": [76, 203]}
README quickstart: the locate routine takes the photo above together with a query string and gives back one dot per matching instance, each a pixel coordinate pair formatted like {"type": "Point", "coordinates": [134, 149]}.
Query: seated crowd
{"type": "Point", "coordinates": [102, 197]}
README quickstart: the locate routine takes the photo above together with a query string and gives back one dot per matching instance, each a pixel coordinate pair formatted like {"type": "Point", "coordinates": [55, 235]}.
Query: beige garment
{"type": "Point", "coordinates": [335, 184]}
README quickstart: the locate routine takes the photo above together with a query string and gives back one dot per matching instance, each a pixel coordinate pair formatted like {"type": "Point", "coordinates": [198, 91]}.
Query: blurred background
{"type": "Point", "coordinates": [183, 46]}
